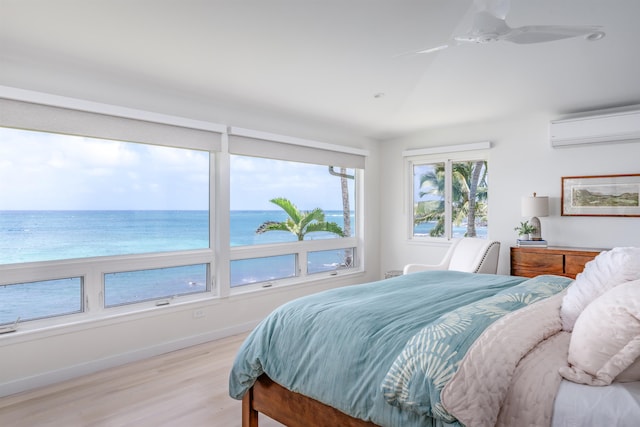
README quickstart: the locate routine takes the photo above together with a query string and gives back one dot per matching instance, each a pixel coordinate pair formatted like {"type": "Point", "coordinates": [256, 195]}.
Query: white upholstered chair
{"type": "Point", "coordinates": [468, 254]}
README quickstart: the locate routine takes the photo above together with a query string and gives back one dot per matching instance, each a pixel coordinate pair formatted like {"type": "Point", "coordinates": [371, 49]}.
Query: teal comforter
{"type": "Point", "coordinates": [433, 356]}
{"type": "Point", "coordinates": [337, 346]}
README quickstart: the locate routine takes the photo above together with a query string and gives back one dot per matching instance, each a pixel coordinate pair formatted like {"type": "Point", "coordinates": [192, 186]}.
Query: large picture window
{"type": "Point", "coordinates": [276, 201]}
{"type": "Point", "coordinates": [293, 211]}
{"type": "Point", "coordinates": [90, 220]}
{"type": "Point", "coordinates": [449, 197]}
{"type": "Point", "coordinates": [103, 214]}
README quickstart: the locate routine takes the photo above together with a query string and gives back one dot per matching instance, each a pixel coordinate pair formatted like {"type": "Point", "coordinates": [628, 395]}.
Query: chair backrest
{"type": "Point", "coordinates": [475, 255]}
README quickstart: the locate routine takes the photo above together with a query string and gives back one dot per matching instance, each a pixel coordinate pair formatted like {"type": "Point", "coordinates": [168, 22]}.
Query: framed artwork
{"type": "Point", "coordinates": [604, 195]}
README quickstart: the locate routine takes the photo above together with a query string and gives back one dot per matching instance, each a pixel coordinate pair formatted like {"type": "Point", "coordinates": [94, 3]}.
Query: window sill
{"type": "Point", "coordinates": [430, 241]}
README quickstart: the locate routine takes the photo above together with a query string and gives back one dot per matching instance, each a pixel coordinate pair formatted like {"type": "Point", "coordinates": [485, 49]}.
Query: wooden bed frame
{"type": "Point", "coordinates": [290, 408]}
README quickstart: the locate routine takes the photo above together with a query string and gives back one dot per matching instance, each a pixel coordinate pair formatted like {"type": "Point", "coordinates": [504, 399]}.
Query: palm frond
{"type": "Point", "coordinates": [330, 227]}
{"type": "Point", "coordinates": [272, 226]}
{"type": "Point", "coordinates": [288, 207]}
{"type": "Point", "coordinates": [316, 215]}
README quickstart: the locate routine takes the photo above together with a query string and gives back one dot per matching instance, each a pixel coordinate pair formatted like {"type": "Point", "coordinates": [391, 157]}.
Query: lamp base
{"type": "Point", "coordinates": [535, 222]}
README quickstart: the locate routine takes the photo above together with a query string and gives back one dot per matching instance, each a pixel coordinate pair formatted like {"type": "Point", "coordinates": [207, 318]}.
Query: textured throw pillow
{"type": "Point", "coordinates": [605, 343]}
{"type": "Point", "coordinates": [607, 270]}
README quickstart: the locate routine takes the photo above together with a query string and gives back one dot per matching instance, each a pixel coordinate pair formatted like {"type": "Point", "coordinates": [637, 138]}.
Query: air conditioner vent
{"type": "Point", "coordinates": [601, 128]}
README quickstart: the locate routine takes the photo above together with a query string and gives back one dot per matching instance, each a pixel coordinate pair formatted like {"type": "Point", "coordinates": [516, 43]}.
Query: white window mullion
{"type": "Point", "coordinates": [274, 249]}
{"type": "Point", "coordinates": [93, 290]}
{"type": "Point", "coordinates": [359, 245]}
{"type": "Point", "coordinates": [302, 263]}
{"type": "Point", "coordinates": [219, 224]}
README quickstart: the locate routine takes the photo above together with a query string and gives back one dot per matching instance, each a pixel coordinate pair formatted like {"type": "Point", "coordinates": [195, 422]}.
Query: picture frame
{"type": "Point", "coordinates": [601, 195]}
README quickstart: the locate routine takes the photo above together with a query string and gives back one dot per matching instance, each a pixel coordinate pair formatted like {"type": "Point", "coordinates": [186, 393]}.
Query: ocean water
{"type": "Point", "coordinates": [27, 236]}
{"type": "Point", "coordinates": [423, 230]}
{"type": "Point", "coordinates": [53, 235]}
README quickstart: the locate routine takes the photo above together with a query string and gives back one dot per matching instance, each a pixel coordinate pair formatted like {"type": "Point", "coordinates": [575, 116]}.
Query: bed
{"type": "Point", "coordinates": [434, 348]}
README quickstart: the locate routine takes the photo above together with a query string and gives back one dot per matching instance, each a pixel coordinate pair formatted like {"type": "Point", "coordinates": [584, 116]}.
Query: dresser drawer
{"type": "Point", "coordinates": [561, 261]}
{"type": "Point", "coordinates": [541, 263]}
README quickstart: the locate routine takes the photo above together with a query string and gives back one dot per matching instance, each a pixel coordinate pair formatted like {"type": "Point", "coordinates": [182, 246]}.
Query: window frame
{"type": "Point", "coordinates": [301, 248]}
{"type": "Point", "coordinates": [448, 156]}
{"type": "Point", "coordinates": [247, 142]}
{"type": "Point", "coordinates": [92, 270]}
{"type": "Point", "coordinates": [58, 115]}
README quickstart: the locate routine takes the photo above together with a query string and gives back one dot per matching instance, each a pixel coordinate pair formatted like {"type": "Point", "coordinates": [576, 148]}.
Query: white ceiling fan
{"type": "Point", "coordinates": [489, 25]}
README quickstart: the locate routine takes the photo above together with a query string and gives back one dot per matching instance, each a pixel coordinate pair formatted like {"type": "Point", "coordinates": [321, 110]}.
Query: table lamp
{"type": "Point", "coordinates": [533, 207]}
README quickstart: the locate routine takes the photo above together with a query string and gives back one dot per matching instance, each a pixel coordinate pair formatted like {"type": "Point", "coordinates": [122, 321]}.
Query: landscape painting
{"type": "Point", "coordinates": [606, 195]}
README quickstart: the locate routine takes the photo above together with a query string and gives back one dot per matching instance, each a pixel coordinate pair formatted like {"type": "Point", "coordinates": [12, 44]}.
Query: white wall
{"type": "Point", "coordinates": [520, 162]}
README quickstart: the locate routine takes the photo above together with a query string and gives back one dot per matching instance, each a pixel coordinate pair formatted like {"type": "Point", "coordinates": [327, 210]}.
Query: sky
{"type": "Point", "coordinates": [42, 171]}
{"type": "Point", "coordinates": [256, 181]}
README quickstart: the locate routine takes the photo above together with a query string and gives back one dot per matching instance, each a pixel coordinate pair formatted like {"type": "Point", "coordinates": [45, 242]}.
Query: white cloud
{"type": "Point", "coordinates": [254, 181]}
{"type": "Point", "coordinates": [47, 171]}
{"type": "Point", "coordinates": [51, 171]}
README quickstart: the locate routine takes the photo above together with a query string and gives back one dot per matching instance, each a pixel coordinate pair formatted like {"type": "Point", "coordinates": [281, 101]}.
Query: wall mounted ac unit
{"type": "Point", "coordinates": [606, 127]}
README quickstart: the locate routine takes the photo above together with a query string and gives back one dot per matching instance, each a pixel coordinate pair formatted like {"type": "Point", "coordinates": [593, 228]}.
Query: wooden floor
{"type": "Point", "coordinates": [183, 388]}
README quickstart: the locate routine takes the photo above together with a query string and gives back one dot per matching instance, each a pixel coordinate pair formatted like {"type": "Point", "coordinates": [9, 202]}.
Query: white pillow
{"type": "Point", "coordinates": [605, 343]}
{"type": "Point", "coordinates": [607, 270]}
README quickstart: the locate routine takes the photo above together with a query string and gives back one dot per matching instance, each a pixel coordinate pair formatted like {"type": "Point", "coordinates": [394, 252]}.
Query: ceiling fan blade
{"type": "Point", "coordinates": [547, 33]}
{"type": "Point", "coordinates": [433, 49]}
{"type": "Point", "coordinates": [421, 51]}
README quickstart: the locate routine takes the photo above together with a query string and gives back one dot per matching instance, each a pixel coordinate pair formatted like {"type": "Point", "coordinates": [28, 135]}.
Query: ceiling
{"type": "Point", "coordinates": [343, 64]}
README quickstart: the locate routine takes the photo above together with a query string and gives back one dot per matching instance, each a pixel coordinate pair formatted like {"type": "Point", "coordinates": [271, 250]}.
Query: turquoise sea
{"type": "Point", "coordinates": [27, 236]}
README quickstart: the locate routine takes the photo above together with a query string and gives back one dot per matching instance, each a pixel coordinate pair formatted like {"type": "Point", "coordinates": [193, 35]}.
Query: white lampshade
{"type": "Point", "coordinates": [535, 206]}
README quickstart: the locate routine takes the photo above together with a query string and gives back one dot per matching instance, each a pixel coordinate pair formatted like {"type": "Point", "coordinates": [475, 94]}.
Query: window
{"type": "Point", "coordinates": [102, 214]}
{"type": "Point", "coordinates": [90, 222]}
{"type": "Point", "coordinates": [144, 285]}
{"type": "Point", "coordinates": [276, 201]}
{"type": "Point", "coordinates": [263, 269]}
{"type": "Point", "coordinates": [290, 215]}
{"type": "Point", "coordinates": [449, 196]}
{"type": "Point", "coordinates": [37, 300]}
{"type": "Point", "coordinates": [321, 261]}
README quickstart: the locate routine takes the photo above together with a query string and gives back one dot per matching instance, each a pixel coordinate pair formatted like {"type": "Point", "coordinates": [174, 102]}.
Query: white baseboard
{"type": "Point", "coordinates": [53, 377]}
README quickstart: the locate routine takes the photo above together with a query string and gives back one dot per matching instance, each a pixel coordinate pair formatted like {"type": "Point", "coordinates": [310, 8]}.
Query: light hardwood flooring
{"type": "Point", "coordinates": [185, 388]}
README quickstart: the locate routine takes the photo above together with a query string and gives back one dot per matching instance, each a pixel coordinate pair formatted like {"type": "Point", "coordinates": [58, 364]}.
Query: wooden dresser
{"type": "Point", "coordinates": [561, 261]}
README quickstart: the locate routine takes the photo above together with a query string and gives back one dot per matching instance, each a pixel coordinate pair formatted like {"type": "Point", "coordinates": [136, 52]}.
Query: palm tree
{"type": "Point", "coordinates": [299, 223]}
{"type": "Point", "coordinates": [469, 188]}
{"type": "Point", "coordinates": [477, 196]}
{"type": "Point", "coordinates": [346, 210]}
